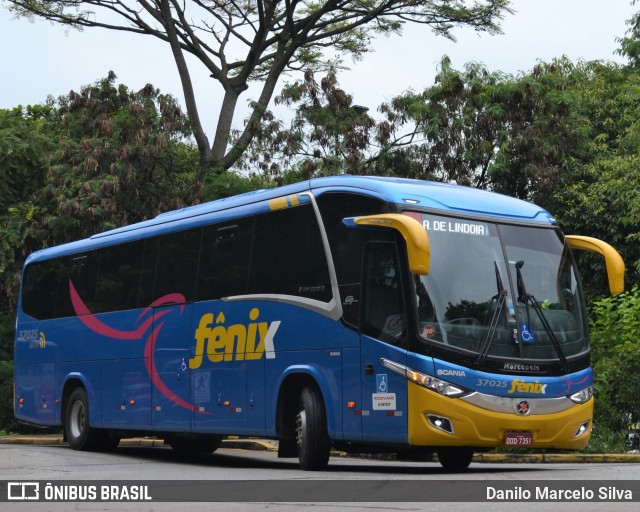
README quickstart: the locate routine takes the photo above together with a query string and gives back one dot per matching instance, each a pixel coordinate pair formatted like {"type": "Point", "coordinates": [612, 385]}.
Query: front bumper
{"type": "Point", "coordinates": [481, 427]}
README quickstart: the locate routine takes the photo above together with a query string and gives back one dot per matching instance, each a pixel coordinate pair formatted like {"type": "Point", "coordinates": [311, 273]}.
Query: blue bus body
{"type": "Point", "coordinates": [112, 315]}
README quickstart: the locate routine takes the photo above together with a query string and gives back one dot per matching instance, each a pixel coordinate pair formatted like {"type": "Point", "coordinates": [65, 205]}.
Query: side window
{"type": "Point", "coordinates": [39, 289]}
{"type": "Point", "coordinates": [148, 272]}
{"type": "Point", "coordinates": [224, 260]}
{"type": "Point", "coordinates": [119, 277]}
{"type": "Point", "coordinates": [383, 315]}
{"type": "Point", "coordinates": [288, 256]}
{"type": "Point", "coordinates": [82, 270]}
{"type": "Point", "coordinates": [347, 245]}
{"type": "Point", "coordinates": [177, 264]}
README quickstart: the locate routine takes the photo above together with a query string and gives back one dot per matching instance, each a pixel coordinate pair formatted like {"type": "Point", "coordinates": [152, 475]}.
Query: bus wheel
{"type": "Point", "coordinates": [80, 435]}
{"type": "Point", "coordinates": [455, 458]}
{"type": "Point", "coordinates": [311, 431]}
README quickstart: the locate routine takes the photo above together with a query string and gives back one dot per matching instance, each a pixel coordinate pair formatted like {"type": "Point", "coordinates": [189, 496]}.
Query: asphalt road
{"type": "Point", "coordinates": [250, 474]}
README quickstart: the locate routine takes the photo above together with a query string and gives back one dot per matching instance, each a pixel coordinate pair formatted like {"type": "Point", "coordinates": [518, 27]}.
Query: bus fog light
{"type": "Point", "coordinates": [582, 429]}
{"type": "Point", "coordinates": [441, 423]}
{"type": "Point", "coordinates": [582, 396]}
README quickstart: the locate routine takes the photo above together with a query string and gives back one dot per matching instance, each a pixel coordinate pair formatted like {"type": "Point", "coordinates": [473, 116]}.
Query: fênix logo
{"type": "Point", "coordinates": [237, 342]}
{"type": "Point", "coordinates": [522, 386]}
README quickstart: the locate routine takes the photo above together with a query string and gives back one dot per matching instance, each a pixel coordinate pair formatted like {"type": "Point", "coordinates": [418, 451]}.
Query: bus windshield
{"type": "Point", "coordinates": [500, 291]}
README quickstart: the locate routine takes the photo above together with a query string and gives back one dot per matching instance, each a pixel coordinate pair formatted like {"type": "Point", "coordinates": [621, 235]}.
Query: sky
{"type": "Point", "coordinates": [38, 58]}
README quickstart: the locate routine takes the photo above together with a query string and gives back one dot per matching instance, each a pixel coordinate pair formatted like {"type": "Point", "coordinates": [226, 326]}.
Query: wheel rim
{"type": "Point", "coordinates": [301, 425]}
{"type": "Point", "coordinates": [77, 418]}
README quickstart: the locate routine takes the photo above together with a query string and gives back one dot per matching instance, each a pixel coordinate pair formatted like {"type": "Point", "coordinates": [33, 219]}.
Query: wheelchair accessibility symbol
{"type": "Point", "coordinates": [382, 385]}
{"type": "Point", "coordinates": [527, 334]}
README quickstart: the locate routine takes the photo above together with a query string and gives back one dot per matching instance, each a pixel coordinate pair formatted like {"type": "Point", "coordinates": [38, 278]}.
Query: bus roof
{"type": "Point", "coordinates": [444, 197]}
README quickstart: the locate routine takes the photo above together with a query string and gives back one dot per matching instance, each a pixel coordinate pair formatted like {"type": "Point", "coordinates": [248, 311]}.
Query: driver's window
{"type": "Point", "coordinates": [383, 311]}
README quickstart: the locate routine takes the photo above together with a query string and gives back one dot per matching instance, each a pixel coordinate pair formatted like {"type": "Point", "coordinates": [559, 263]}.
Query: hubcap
{"type": "Point", "coordinates": [301, 425]}
{"type": "Point", "coordinates": [77, 419]}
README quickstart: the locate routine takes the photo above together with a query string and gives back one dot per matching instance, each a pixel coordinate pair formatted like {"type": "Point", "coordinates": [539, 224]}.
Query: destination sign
{"type": "Point", "coordinates": [463, 227]}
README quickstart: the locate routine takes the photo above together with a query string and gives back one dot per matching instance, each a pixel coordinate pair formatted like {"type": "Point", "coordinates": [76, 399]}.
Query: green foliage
{"type": "Point", "coordinates": [603, 201]}
{"type": "Point", "coordinates": [615, 342]}
{"type": "Point", "coordinates": [511, 134]}
{"type": "Point", "coordinates": [26, 141]}
{"type": "Point", "coordinates": [7, 420]}
{"type": "Point", "coordinates": [243, 42]}
{"type": "Point", "coordinates": [630, 45]}
{"type": "Point", "coordinates": [328, 135]}
{"type": "Point", "coordinates": [121, 159]}
{"type": "Point", "coordinates": [89, 161]}
{"type": "Point", "coordinates": [606, 440]}
{"type": "Point", "coordinates": [227, 184]}
{"type": "Point", "coordinates": [472, 127]}
{"type": "Point", "coordinates": [597, 194]}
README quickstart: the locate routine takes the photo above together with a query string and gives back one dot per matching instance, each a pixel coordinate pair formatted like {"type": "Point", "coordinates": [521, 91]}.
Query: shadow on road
{"type": "Point", "coordinates": [268, 460]}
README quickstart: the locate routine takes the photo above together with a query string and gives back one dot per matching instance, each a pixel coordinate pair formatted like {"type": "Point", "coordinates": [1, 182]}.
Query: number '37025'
{"type": "Point", "coordinates": [492, 383]}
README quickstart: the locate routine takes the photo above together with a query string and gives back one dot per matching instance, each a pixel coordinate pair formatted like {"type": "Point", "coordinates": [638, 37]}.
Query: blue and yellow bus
{"type": "Point", "coordinates": [364, 314]}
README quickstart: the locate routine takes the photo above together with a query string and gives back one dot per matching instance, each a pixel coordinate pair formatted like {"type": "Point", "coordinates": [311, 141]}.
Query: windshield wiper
{"type": "Point", "coordinates": [501, 298]}
{"type": "Point", "coordinates": [527, 299]}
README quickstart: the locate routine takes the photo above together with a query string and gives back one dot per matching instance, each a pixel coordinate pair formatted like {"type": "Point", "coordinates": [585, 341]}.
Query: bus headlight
{"type": "Point", "coordinates": [428, 381]}
{"type": "Point", "coordinates": [582, 396]}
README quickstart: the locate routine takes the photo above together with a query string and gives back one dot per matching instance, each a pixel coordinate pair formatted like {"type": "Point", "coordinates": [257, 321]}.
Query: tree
{"type": "Point", "coordinates": [27, 140]}
{"type": "Point", "coordinates": [122, 158]}
{"type": "Point", "coordinates": [328, 134]}
{"type": "Point", "coordinates": [474, 127]}
{"type": "Point", "coordinates": [615, 330]}
{"type": "Point", "coordinates": [89, 161]}
{"type": "Point", "coordinates": [510, 134]}
{"type": "Point", "coordinates": [240, 42]}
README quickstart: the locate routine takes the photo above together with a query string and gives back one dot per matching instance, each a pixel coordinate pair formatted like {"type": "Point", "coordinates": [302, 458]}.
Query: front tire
{"type": "Point", "coordinates": [312, 438]}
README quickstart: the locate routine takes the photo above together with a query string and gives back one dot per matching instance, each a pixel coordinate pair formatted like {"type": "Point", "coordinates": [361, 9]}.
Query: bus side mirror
{"type": "Point", "coordinates": [613, 260]}
{"type": "Point", "coordinates": [411, 230]}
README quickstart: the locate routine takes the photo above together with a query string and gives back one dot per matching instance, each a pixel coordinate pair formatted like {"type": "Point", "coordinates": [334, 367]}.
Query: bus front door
{"type": "Point", "coordinates": [384, 392]}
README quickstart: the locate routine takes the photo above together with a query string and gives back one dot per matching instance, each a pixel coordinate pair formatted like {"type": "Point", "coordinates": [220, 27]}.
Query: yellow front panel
{"type": "Point", "coordinates": [475, 426]}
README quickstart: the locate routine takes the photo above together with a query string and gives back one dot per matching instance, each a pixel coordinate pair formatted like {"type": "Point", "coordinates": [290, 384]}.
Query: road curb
{"type": "Point", "coordinates": [558, 458]}
{"type": "Point", "coordinates": [236, 443]}
{"type": "Point", "coordinates": [231, 442]}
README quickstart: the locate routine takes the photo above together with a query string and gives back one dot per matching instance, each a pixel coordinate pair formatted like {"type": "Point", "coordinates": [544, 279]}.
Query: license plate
{"type": "Point", "coordinates": [518, 439]}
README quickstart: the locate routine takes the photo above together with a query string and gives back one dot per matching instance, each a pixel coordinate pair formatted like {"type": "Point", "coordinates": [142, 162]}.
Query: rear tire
{"type": "Point", "coordinates": [312, 438]}
{"type": "Point", "coordinates": [79, 433]}
{"type": "Point", "coordinates": [455, 458]}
